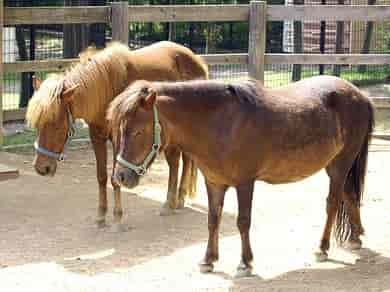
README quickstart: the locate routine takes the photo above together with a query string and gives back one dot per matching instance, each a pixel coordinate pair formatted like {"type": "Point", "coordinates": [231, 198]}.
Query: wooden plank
{"type": "Point", "coordinates": [119, 21]}
{"type": "Point", "coordinates": [56, 15]}
{"type": "Point", "coordinates": [382, 136]}
{"type": "Point", "coordinates": [329, 12]}
{"type": "Point", "coordinates": [1, 72]}
{"type": "Point", "coordinates": [186, 13]}
{"type": "Point", "coordinates": [14, 115]}
{"type": "Point", "coordinates": [381, 102]}
{"type": "Point", "coordinates": [61, 64]}
{"type": "Point", "coordinates": [257, 34]}
{"type": "Point", "coordinates": [6, 172]}
{"type": "Point", "coordinates": [339, 59]}
{"type": "Point", "coordinates": [219, 59]}
{"type": "Point", "coordinates": [193, 13]}
{"type": "Point", "coordinates": [39, 65]}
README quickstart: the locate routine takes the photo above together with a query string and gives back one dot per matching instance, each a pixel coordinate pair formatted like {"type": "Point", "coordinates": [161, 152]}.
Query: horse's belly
{"type": "Point", "coordinates": [292, 166]}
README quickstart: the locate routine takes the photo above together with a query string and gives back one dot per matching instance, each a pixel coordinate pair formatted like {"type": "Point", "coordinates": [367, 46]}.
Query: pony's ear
{"type": "Point", "coordinates": [67, 94]}
{"type": "Point", "coordinates": [148, 101]}
{"type": "Point", "coordinates": [36, 82]}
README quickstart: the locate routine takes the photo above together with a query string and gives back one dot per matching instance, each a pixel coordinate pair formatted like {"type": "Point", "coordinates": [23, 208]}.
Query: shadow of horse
{"type": "Point", "coordinates": [51, 220]}
{"type": "Point", "coordinates": [370, 272]}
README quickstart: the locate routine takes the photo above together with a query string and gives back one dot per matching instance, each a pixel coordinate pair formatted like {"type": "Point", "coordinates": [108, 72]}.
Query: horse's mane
{"type": "Point", "coordinates": [100, 74]}
{"type": "Point", "coordinates": [126, 103]}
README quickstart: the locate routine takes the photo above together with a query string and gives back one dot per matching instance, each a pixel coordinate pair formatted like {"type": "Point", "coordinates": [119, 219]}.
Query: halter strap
{"type": "Point", "coordinates": [69, 135]}
{"type": "Point", "coordinates": [141, 169]}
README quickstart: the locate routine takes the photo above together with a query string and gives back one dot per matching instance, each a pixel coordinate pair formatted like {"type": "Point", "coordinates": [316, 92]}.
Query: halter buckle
{"type": "Point", "coordinates": [141, 171]}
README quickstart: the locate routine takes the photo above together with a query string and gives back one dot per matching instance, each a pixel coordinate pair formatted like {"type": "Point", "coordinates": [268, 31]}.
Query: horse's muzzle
{"type": "Point", "coordinates": [45, 166]}
{"type": "Point", "coordinates": [126, 177]}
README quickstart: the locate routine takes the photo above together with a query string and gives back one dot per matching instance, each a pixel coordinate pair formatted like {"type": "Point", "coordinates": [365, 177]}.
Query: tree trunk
{"type": "Point", "coordinates": [97, 31]}
{"type": "Point", "coordinates": [298, 44]}
{"type": "Point", "coordinates": [25, 82]}
{"type": "Point", "coordinates": [75, 35]}
{"type": "Point", "coordinates": [172, 26]}
{"type": "Point", "coordinates": [339, 42]}
{"type": "Point", "coordinates": [322, 39]}
{"type": "Point", "coordinates": [367, 39]}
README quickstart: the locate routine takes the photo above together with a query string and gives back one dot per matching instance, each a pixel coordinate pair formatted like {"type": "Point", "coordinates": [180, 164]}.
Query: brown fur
{"type": "Point", "coordinates": [94, 82]}
{"type": "Point", "coordinates": [241, 132]}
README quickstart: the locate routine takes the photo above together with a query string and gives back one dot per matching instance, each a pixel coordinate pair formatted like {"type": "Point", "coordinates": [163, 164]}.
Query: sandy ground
{"type": "Point", "coordinates": [49, 241]}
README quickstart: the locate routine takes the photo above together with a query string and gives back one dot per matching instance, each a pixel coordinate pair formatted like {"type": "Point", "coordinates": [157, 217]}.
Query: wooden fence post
{"type": "Point", "coordinates": [120, 22]}
{"type": "Point", "coordinates": [257, 39]}
{"type": "Point", "coordinates": [1, 72]}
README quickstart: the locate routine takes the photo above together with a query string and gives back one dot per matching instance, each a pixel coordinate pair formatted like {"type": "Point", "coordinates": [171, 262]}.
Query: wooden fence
{"type": "Point", "coordinates": [119, 14]}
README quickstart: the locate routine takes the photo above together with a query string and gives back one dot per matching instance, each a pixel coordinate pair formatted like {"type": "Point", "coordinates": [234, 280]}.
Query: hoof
{"type": "Point", "coordinates": [321, 256]}
{"type": "Point", "coordinates": [180, 204]}
{"type": "Point", "coordinates": [101, 223]}
{"type": "Point", "coordinates": [205, 267]}
{"type": "Point", "coordinates": [243, 271]}
{"type": "Point", "coordinates": [353, 244]}
{"type": "Point", "coordinates": [165, 210]}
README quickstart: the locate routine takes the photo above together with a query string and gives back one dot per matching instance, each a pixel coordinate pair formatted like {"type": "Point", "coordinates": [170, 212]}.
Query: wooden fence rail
{"type": "Point", "coordinates": [257, 13]}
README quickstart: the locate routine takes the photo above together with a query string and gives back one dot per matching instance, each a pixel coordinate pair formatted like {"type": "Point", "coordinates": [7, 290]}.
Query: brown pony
{"type": "Point", "coordinates": [241, 132]}
{"type": "Point", "coordinates": [86, 90]}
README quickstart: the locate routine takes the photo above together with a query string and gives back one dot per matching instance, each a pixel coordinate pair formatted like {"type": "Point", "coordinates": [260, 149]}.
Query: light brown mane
{"type": "Point", "coordinates": [100, 76]}
{"type": "Point", "coordinates": [126, 103]}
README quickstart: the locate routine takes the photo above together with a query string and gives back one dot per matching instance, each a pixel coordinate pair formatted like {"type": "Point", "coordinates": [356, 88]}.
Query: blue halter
{"type": "Point", "coordinates": [141, 169]}
{"type": "Point", "coordinates": [69, 135]}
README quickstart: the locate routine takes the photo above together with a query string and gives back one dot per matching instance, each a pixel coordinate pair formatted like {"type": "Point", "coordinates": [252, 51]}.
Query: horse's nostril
{"type": "Point", "coordinates": [47, 169]}
{"type": "Point", "coordinates": [121, 177]}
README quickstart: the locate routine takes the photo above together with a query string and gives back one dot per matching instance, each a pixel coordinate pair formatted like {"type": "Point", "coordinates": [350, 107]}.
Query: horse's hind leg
{"type": "Point", "coordinates": [353, 242]}
{"type": "Point", "coordinates": [337, 172]}
{"type": "Point", "coordinates": [185, 181]}
{"type": "Point", "coordinates": [194, 179]}
{"type": "Point", "coordinates": [100, 149]}
{"type": "Point", "coordinates": [172, 156]}
{"type": "Point", "coordinates": [351, 204]}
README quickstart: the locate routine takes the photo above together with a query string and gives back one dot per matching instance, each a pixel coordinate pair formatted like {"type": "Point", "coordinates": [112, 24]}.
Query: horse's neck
{"type": "Point", "coordinates": [180, 117]}
{"type": "Point", "coordinates": [92, 101]}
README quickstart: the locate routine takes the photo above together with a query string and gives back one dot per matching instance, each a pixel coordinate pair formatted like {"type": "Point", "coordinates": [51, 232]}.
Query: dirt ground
{"type": "Point", "coordinates": [49, 241]}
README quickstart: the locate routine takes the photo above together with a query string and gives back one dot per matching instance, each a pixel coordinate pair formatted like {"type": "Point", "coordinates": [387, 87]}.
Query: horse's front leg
{"type": "Point", "coordinates": [244, 198]}
{"type": "Point", "coordinates": [216, 195]}
{"type": "Point", "coordinates": [100, 149]}
{"type": "Point", "coordinates": [172, 156]}
{"type": "Point", "coordinates": [118, 211]}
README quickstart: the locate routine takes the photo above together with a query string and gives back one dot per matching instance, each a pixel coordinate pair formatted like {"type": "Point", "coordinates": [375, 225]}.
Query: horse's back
{"type": "Point", "coordinates": [178, 62]}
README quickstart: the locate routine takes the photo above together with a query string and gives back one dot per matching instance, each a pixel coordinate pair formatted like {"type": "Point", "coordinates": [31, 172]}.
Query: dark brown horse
{"type": "Point", "coordinates": [86, 90]}
{"type": "Point", "coordinates": [241, 132]}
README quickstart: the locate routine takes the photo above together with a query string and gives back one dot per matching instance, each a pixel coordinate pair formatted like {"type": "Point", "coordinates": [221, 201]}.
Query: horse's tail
{"type": "Point", "coordinates": [354, 185]}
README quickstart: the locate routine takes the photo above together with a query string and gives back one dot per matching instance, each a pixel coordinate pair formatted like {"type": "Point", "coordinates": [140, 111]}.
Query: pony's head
{"type": "Point", "coordinates": [48, 112]}
{"type": "Point", "coordinates": [132, 116]}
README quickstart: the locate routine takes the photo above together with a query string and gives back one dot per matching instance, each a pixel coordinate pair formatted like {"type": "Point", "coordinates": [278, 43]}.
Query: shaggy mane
{"type": "Point", "coordinates": [126, 103]}
{"type": "Point", "coordinates": [45, 103]}
{"type": "Point", "coordinates": [100, 74]}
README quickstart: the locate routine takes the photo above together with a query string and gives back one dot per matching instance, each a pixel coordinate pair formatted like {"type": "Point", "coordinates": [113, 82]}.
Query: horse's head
{"type": "Point", "coordinates": [134, 120]}
{"type": "Point", "coordinates": [48, 111]}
